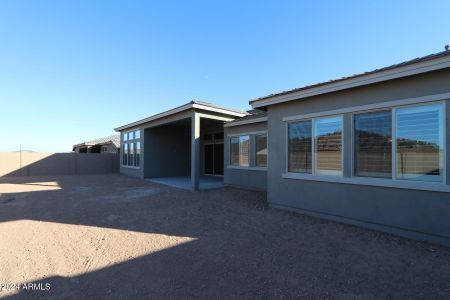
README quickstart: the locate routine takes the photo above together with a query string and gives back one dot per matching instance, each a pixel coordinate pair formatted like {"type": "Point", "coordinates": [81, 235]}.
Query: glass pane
{"type": "Point", "coordinates": [300, 147]}
{"type": "Point", "coordinates": [130, 155]}
{"type": "Point", "coordinates": [137, 134]}
{"type": "Point", "coordinates": [261, 150]}
{"type": "Point", "coordinates": [138, 153]}
{"type": "Point", "coordinates": [134, 153]}
{"type": "Point", "coordinates": [328, 143]}
{"type": "Point", "coordinates": [244, 147]}
{"type": "Point", "coordinates": [234, 151]}
{"type": "Point", "coordinates": [125, 136]}
{"type": "Point", "coordinates": [125, 154]}
{"type": "Point", "coordinates": [420, 143]}
{"type": "Point", "coordinates": [373, 144]}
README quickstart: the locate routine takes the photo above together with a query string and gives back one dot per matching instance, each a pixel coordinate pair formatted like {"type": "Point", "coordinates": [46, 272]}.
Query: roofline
{"type": "Point", "coordinates": [358, 80]}
{"type": "Point", "coordinates": [244, 122]}
{"type": "Point", "coordinates": [84, 144]}
{"type": "Point", "coordinates": [190, 105]}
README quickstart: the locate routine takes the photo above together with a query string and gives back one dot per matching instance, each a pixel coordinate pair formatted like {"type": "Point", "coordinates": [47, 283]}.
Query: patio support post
{"type": "Point", "coordinates": [195, 151]}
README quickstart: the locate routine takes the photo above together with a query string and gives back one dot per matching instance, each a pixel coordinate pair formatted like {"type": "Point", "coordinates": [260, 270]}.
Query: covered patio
{"type": "Point", "coordinates": [184, 147]}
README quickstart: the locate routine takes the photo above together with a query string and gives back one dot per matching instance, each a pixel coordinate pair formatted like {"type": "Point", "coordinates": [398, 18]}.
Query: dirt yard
{"type": "Point", "coordinates": [109, 236]}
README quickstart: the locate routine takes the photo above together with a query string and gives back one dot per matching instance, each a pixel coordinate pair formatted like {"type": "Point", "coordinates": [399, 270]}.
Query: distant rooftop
{"type": "Point", "coordinates": [115, 139]}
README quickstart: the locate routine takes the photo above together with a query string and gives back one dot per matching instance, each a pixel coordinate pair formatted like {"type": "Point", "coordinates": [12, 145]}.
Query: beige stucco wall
{"type": "Point", "coordinates": [48, 164]}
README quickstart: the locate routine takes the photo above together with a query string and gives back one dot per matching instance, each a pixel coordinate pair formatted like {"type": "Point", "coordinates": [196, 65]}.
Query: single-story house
{"type": "Point", "coordinates": [108, 144]}
{"type": "Point", "coordinates": [371, 149]}
{"type": "Point", "coordinates": [183, 146]}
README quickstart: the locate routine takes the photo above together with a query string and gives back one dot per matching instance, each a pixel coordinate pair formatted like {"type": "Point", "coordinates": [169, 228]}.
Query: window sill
{"type": "Point", "coordinates": [388, 183]}
{"type": "Point", "coordinates": [130, 167]}
{"type": "Point", "coordinates": [248, 168]}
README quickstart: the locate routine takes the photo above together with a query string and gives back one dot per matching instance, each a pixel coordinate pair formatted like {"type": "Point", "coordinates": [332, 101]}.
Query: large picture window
{"type": "Point", "coordinates": [131, 148]}
{"type": "Point", "coordinates": [239, 151]}
{"type": "Point", "coordinates": [373, 144]}
{"type": "Point", "coordinates": [300, 147]}
{"type": "Point", "coordinates": [315, 146]}
{"type": "Point", "coordinates": [261, 150]}
{"type": "Point", "coordinates": [328, 145]}
{"type": "Point", "coordinates": [420, 143]}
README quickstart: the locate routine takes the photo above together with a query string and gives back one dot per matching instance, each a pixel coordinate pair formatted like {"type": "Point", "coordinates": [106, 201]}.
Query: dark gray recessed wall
{"type": "Point", "coordinates": [168, 151]}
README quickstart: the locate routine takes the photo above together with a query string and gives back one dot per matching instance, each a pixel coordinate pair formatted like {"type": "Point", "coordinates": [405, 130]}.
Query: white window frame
{"type": "Point", "coordinates": [313, 147]}
{"type": "Point", "coordinates": [130, 134]}
{"type": "Point", "coordinates": [371, 181]}
{"type": "Point", "coordinates": [255, 137]}
{"type": "Point", "coordinates": [251, 166]}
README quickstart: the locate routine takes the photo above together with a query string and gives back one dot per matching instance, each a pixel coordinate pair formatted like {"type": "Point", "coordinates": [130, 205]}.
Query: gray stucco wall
{"type": "Point", "coordinates": [412, 213]}
{"type": "Point", "coordinates": [252, 177]}
{"type": "Point", "coordinates": [168, 151]}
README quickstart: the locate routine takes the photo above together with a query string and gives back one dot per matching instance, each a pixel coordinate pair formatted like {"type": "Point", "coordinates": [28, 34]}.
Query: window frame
{"type": "Point", "coordinates": [255, 137]}
{"type": "Point", "coordinates": [349, 177]}
{"type": "Point", "coordinates": [313, 146]}
{"type": "Point", "coordinates": [252, 158]}
{"type": "Point", "coordinates": [352, 140]}
{"type": "Point", "coordinates": [129, 138]}
{"type": "Point", "coordinates": [393, 109]}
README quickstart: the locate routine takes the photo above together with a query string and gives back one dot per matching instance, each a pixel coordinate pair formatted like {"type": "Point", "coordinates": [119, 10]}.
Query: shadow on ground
{"type": "Point", "coordinates": [238, 249]}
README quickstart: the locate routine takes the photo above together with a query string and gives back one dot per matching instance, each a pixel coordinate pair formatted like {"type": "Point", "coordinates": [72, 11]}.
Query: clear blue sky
{"type": "Point", "coordinates": [74, 70]}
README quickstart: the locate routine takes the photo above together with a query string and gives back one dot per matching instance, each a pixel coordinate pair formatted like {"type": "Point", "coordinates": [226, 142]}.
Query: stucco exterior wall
{"type": "Point", "coordinates": [412, 213]}
{"type": "Point", "coordinates": [245, 177]}
{"type": "Point", "coordinates": [169, 154]}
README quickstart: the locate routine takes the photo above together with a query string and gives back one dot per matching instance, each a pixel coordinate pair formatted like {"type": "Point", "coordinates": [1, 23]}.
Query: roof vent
{"type": "Point", "coordinates": [447, 47]}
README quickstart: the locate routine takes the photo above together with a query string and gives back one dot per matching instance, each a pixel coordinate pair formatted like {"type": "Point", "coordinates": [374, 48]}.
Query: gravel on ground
{"type": "Point", "coordinates": [116, 237]}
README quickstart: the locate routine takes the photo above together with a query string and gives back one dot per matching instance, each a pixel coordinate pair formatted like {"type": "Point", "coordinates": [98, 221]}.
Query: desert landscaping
{"type": "Point", "coordinates": [102, 236]}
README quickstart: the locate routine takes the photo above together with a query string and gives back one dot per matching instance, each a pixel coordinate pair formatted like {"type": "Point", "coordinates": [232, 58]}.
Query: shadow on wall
{"type": "Point", "coordinates": [49, 164]}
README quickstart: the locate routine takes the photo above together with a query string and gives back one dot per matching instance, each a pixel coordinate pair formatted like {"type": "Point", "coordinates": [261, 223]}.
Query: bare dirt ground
{"type": "Point", "coordinates": [115, 237]}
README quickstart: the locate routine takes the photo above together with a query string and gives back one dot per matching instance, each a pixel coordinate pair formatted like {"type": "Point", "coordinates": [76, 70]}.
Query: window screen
{"type": "Point", "coordinates": [328, 145]}
{"type": "Point", "coordinates": [261, 150]}
{"type": "Point", "coordinates": [373, 144]}
{"type": "Point", "coordinates": [419, 138]}
{"type": "Point", "coordinates": [300, 147]}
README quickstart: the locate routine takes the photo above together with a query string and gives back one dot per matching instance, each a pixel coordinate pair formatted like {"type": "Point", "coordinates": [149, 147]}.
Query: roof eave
{"type": "Point", "coordinates": [245, 122]}
{"type": "Point", "coordinates": [190, 105]}
{"type": "Point", "coordinates": [366, 79]}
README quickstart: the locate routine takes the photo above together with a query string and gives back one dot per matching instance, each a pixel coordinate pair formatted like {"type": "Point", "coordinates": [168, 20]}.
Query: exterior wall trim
{"type": "Point", "coordinates": [247, 168]}
{"type": "Point", "coordinates": [381, 105]}
{"type": "Point", "coordinates": [441, 63]}
{"type": "Point", "coordinates": [180, 109]}
{"type": "Point", "coordinates": [247, 133]}
{"type": "Point", "coordinates": [244, 122]}
{"type": "Point", "coordinates": [130, 167]}
{"type": "Point", "coordinates": [386, 183]}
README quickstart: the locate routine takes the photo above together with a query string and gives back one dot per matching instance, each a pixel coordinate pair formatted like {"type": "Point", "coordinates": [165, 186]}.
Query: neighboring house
{"type": "Point", "coordinates": [109, 144]}
{"type": "Point", "coordinates": [370, 149]}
